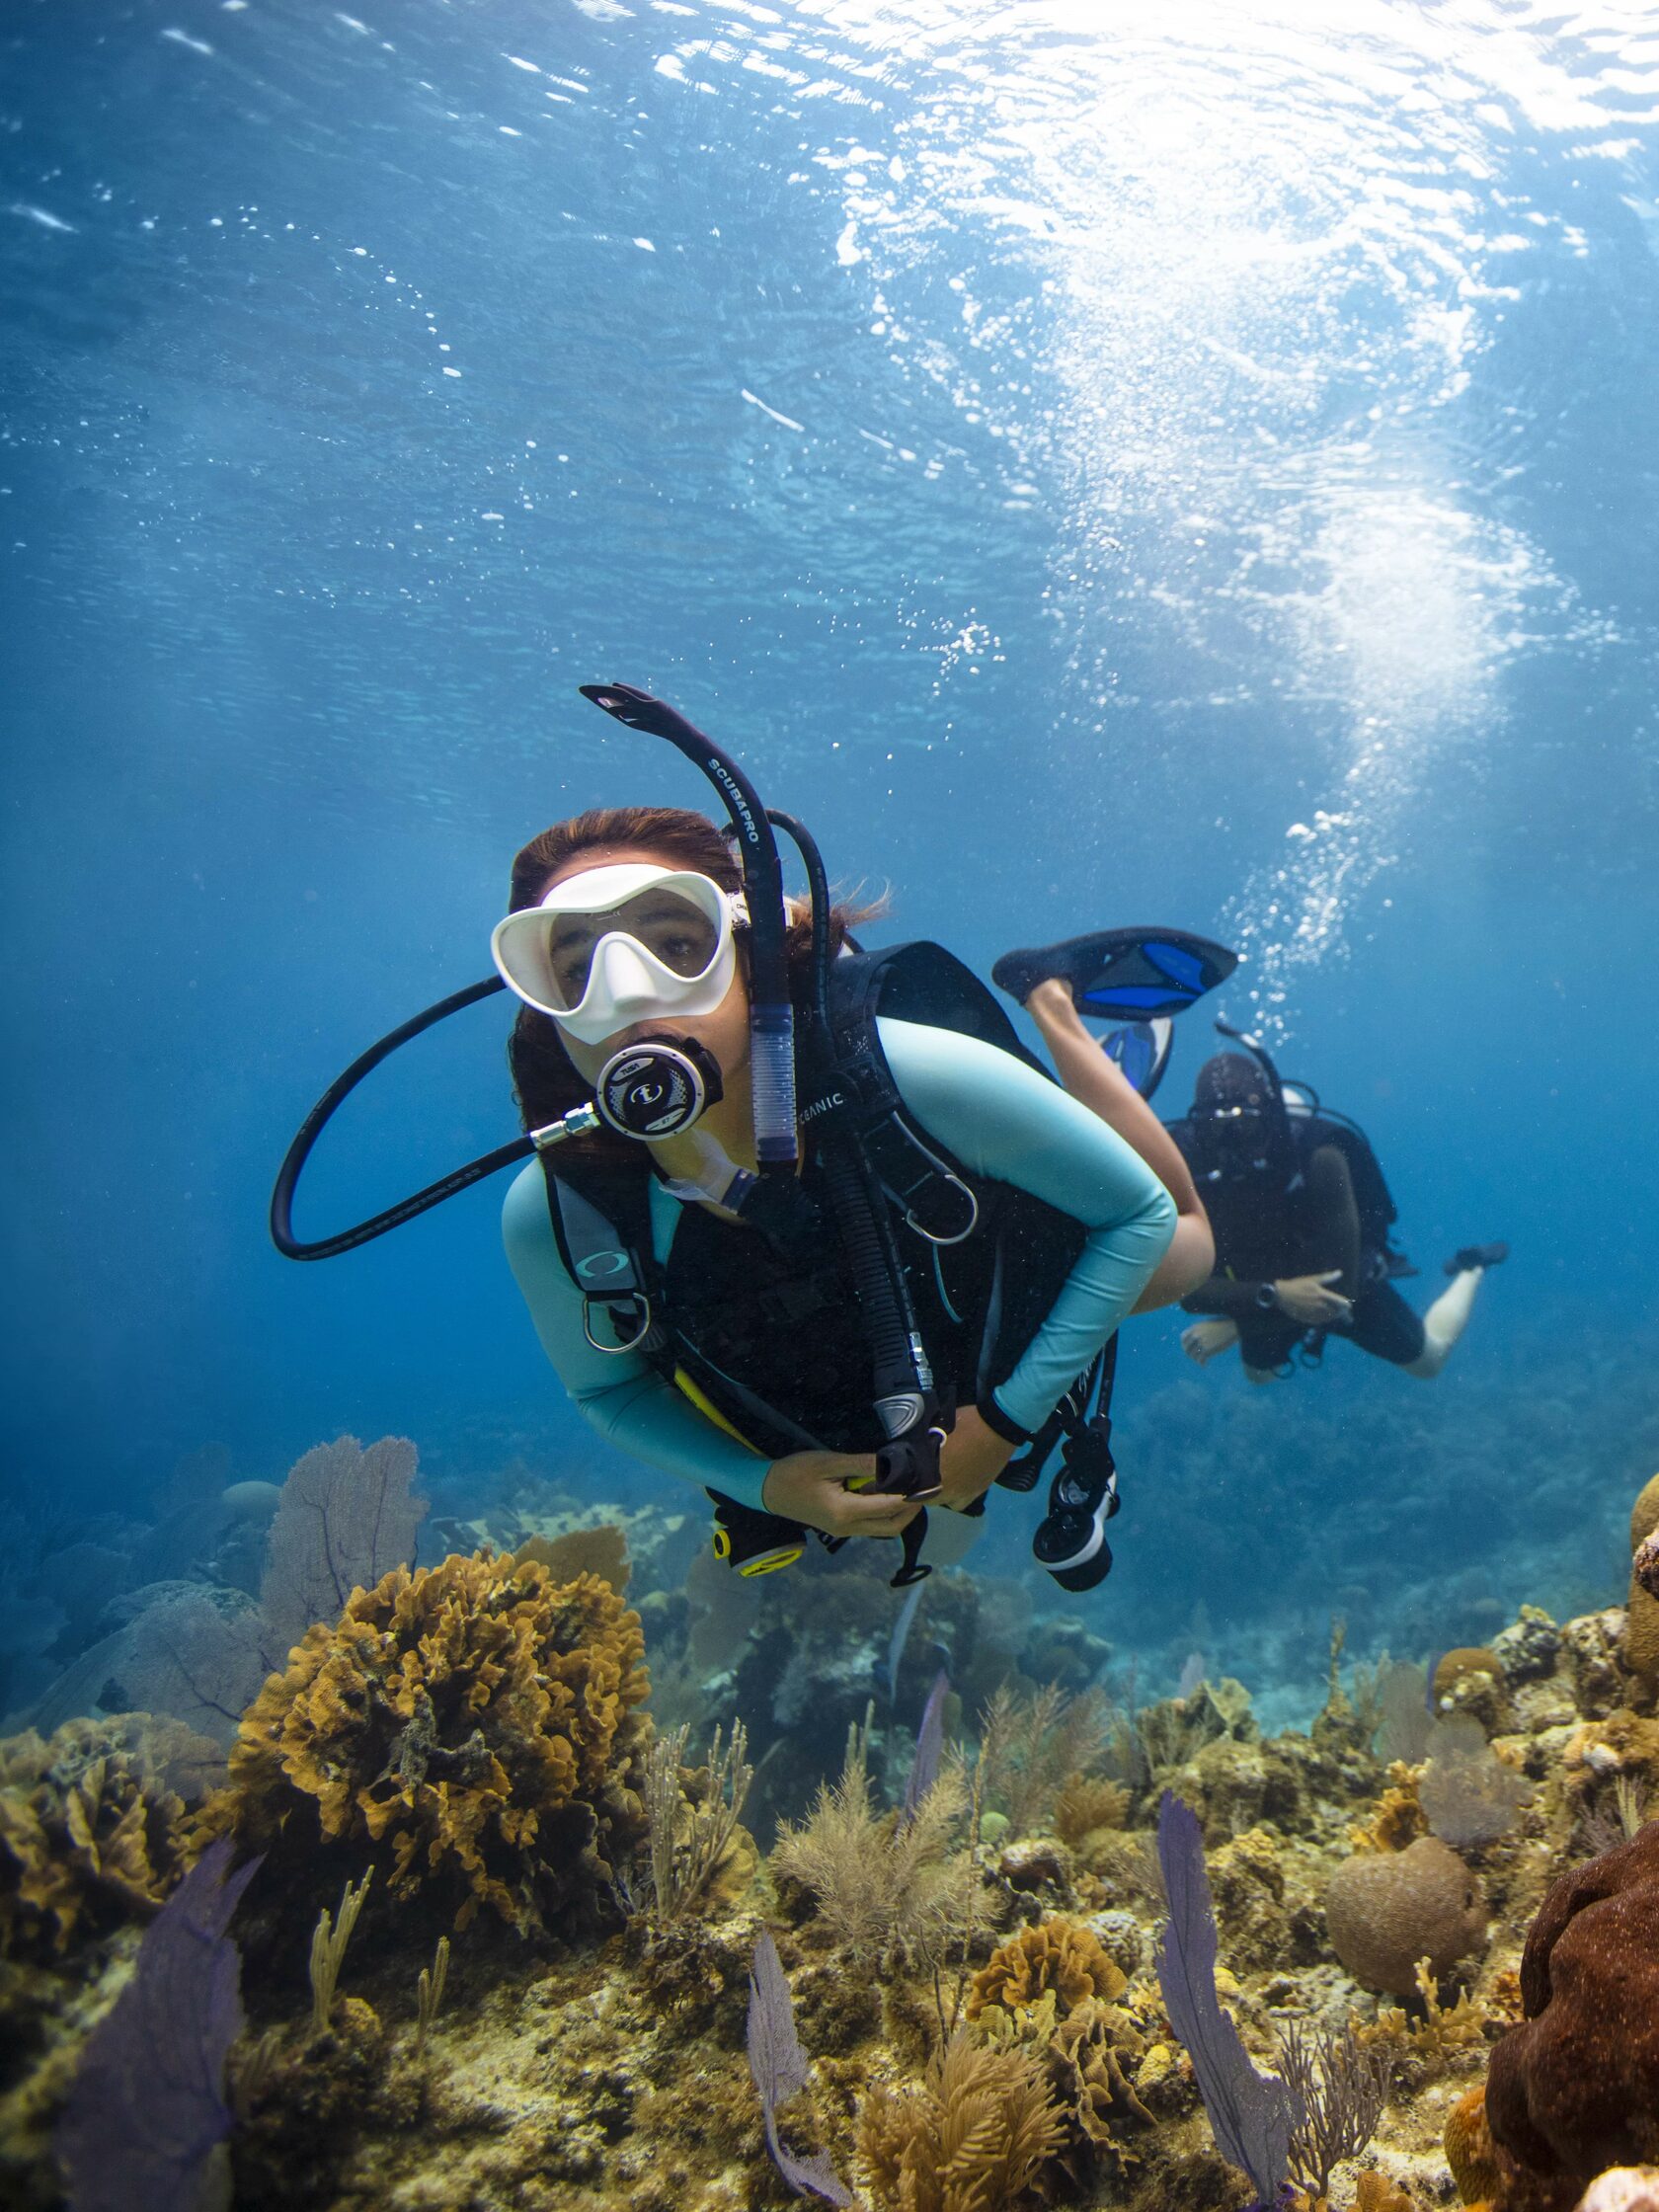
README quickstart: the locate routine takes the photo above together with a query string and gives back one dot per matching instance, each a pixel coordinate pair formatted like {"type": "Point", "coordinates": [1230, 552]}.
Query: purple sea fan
{"type": "Point", "coordinates": [930, 1751]}
{"type": "Point", "coordinates": [147, 2108]}
{"type": "Point", "coordinates": [1252, 2115]}
{"type": "Point", "coordinates": [777, 2066]}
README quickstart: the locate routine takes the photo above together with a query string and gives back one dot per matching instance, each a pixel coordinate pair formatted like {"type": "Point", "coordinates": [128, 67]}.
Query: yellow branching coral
{"type": "Point", "coordinates": [91, 1830]}
{"type": "Point", "coordinates": [479, 1719]}
{"type": "Point", "coordinates": [1400, 1818]}
{"type": "Point", "coordinates": [1442, 2030]}
{"type": "Point", "coordinates": [1058, 1955]}
{"type": "Point", "coordinates": [972, 2136]}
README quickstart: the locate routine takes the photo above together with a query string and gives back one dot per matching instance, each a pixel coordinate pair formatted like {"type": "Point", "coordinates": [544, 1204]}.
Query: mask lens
{"type": "Point", "coordinates": [671, 926]}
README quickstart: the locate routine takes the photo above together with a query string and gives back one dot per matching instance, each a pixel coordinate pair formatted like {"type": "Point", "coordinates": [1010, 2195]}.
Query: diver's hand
{"type": "Point", "coordinates": [1206, 1340]}
{"type": "Point", "coordinates": [811, 1487]}
{"type": "Point", "coordinates": [1305, 1298]}
{"type": "Point", "coordinates": [971, 1458]}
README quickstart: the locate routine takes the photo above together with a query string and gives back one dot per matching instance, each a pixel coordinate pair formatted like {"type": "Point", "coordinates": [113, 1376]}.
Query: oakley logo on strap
{"type": "Point", "coordinates": [603, 1264]}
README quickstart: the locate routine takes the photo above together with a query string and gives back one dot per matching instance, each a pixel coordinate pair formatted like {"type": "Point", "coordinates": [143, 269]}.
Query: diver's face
{"type": "Point", "coordinates": [725, 1032]}
{"type": "Point", "coordinates": [1237, 1131]}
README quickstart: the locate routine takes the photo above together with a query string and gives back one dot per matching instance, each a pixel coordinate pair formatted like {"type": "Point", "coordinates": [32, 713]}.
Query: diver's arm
{"type": "Point", "coordinates": [1333, 1241]}
{"type": "Point", "coordinates": [1003, 1120]}
{"type": "Point", "coordinates": [618, 1393]}
{"type": "Point", "coordinates": [1326, 1269]}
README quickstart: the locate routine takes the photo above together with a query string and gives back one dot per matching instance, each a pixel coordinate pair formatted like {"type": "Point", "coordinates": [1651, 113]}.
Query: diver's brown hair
{"type": "Point", "coordinates": [544, 1081]}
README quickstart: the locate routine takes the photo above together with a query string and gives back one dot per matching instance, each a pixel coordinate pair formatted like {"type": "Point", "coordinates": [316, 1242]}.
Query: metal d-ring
{"type": "Point", "coordinates": [633, 1343]}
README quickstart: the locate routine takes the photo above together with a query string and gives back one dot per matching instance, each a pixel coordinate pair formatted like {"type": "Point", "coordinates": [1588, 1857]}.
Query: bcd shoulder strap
{"type": "Point", "coordinates": [919, 983]}
{"type": "Point", "coordinates": [601, 1225]}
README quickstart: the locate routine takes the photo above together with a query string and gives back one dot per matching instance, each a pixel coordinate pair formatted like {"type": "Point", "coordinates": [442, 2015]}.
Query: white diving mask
{"type": "Point", "coordinates": [610, 947]}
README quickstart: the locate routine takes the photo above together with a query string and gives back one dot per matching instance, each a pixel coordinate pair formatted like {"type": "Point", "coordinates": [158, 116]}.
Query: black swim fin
{"type": "Point", "coordinates": [1122, 974]}
{"type": "Point", "coordinates": [1477, 1255]}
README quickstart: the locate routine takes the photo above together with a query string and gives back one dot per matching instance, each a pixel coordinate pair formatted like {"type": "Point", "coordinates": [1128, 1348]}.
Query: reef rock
{"type": "Point", "coordinates": [1386, 1911]}
{"type": "Point", "coordinates": [1623, 2189]}
{"type": "Point", "coordinates": [474, 1726]}
{"type": "Point", "coordinates": [1575, 2088]}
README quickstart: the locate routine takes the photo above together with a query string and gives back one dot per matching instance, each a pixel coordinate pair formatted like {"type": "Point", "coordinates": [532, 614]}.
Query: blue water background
{"type": "Point", "coordinates": [1092, 472]}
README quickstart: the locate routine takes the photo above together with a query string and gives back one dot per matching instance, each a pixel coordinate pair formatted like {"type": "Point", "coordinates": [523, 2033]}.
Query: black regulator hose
{"type": "Point", "coordinates": [902, 1380]}
{"type": "Point", "coordinates": [771, 1013]}
{"type": "Point", "coordinates": [420, 1202]}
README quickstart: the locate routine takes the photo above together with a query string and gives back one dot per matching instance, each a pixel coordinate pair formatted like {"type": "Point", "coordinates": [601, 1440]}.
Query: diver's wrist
{"type": "Point", "coordinates": [1267, 1298]}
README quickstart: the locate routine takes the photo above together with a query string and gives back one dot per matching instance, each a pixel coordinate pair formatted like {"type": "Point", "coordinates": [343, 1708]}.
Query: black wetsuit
{"type": "Point", "coordinates": [1265, 1234]}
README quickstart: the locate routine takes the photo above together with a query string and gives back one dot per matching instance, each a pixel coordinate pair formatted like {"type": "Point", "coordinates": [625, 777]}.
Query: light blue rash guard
{"type": "Point", "coordinates": [1002, 1121]}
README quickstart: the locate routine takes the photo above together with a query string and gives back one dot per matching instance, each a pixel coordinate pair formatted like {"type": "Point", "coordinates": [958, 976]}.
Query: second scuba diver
{"type": "Point", "coordinates": [1302, 1217]}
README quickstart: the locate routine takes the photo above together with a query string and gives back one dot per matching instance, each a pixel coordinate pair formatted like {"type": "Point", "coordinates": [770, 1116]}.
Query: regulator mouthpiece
{"type": "Point", "coordinates": [658, 1088]}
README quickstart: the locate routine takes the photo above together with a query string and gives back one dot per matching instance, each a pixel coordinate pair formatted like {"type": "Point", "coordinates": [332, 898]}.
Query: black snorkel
{"type": "Point", "coordinates": [1258, 1053]}
{"type": "Point", "coordinates": [771, 1014]}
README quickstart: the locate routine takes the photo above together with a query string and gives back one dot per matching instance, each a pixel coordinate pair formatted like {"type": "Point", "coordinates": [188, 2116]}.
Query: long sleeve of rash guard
{"type": "Point", "coordinates": [1000, 1118]}
{"type": "Point", "coordinates": [618, 1393]}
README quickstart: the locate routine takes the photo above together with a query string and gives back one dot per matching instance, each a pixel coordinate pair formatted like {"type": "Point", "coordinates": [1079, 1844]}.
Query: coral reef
{"type": "Point", "coordinates": [476, 1726]}
{"type": "Point", "coordinates": [969, 1923]}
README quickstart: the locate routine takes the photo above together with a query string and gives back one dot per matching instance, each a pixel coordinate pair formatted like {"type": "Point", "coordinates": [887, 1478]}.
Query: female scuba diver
{"type": "Point", "coordinates": [804, 1224]}
{"type": "Point", "coordinates": [626, 920]}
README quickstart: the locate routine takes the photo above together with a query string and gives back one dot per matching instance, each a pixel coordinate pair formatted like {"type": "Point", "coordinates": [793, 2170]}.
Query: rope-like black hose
{"type": "Point", "coordinates": [420, 1201]}
{"type": "Point", "coordinates": [860, 1210]}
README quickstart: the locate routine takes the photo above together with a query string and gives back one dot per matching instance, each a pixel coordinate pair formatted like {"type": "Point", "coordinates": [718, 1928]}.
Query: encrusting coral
{"type": "Point", "coordinates": [1468, 2147]}
{"type": "Point", "coordinates": [91, 1831]}
{"type": "Point", "coordinates": [478, 1720]}
{"type": "Point", "coordinates": [1641, 1631]}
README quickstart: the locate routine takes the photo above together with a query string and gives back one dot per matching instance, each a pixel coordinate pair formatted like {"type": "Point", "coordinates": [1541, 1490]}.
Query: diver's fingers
{"type": "Point", "coordinates": [1331, 1275]}
{"type": "Point", "coordinates": [873, 1514]}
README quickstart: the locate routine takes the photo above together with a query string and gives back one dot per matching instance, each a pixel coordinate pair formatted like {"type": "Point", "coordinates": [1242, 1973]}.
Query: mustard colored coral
{"type": "Point", "coordinates": [91, 1830]}
{"type": "Point", "coordinates": [1468, 2147]}
{"type": "Point", "coordinates": [1058, 1955]}
{"type": "Point", "coordinates": [475, 1726]}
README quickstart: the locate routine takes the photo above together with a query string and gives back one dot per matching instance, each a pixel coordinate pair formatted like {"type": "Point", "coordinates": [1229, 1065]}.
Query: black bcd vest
{"type": "Point", "coordinates": [770, 1334]}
